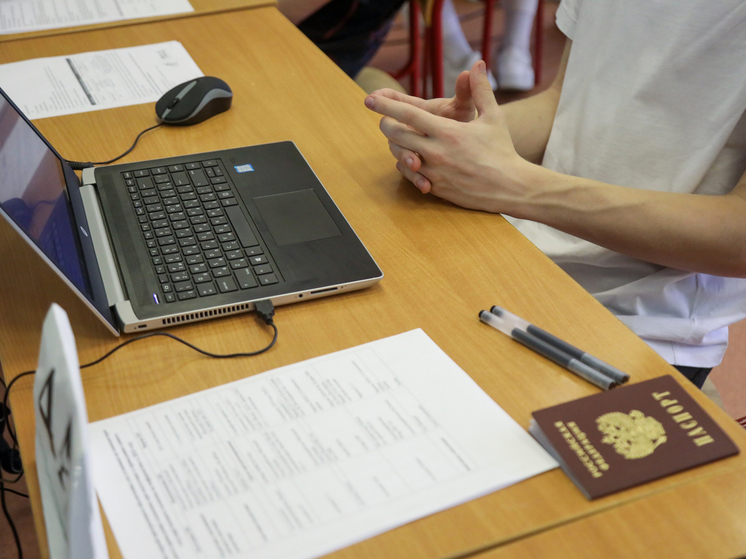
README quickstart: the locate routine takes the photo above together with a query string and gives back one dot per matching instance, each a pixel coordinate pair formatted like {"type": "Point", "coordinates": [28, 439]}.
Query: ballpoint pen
{"type": "Point", "coordinates": [620, 377]}
{"type": "Point", "coordinates": [543, 348]}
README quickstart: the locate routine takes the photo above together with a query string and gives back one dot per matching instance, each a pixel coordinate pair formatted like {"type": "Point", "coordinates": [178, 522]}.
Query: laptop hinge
{"type": "Point", "coordinates": [101, 246]}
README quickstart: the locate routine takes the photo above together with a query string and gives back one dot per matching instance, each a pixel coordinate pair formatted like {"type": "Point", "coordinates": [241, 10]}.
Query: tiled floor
{"type": "Point", "coordinates": [728, 377]}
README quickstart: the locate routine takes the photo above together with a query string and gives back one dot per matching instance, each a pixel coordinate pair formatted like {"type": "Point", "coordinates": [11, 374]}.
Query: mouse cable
{"type": "Point", "coordinates": [79, 165]}
{"type": "Point", "coordinates": [265, 309]}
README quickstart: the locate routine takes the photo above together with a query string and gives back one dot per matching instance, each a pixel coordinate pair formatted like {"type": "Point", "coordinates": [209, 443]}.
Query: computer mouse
{"type": "Point", "coordinates": [194, 101]}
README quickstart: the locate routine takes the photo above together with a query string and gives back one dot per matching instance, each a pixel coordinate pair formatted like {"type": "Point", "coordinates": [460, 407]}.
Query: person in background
{"type": "Point", "coordinates": [350, 32]}
{"type": "Point", "coordinates": [629, 172]}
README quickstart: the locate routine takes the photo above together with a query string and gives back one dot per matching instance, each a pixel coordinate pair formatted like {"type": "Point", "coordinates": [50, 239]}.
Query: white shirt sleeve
{"type": "Point", "coordinates": [567, 16]}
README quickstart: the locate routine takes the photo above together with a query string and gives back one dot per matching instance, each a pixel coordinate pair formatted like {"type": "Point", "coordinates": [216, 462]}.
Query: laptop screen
{"type": "Point", "coordinates": [34, 196]}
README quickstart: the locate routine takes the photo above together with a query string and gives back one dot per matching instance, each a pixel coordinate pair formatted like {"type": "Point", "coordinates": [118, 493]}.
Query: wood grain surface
{"type": "Point", "coordinates": [442, 264]}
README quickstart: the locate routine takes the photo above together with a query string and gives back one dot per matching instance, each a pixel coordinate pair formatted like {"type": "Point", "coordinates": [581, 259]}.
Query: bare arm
{"type": "Point", "coordinates": [476, 165]}
{"type": "Point", "coordinates": [530, 120]}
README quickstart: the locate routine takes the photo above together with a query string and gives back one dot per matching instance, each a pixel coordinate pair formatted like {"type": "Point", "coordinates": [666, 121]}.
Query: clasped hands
{"type": "Point", "coordinates": [459, 149]}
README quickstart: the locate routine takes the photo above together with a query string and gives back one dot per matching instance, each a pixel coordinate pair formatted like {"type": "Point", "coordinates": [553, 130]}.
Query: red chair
{"type": "Point", "coordinates": [432, 11]}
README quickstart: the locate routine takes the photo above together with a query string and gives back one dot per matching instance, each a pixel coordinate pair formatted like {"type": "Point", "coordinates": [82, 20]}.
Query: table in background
{"type": "Point", "coordinates": [442, 264]}
{"type": "Point", "coordinates": [201, 7]}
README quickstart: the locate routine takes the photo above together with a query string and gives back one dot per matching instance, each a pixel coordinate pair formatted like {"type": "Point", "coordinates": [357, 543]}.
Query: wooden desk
{"type": "Point", "coordinates": [201, 7]}
{"type": "Point", "coordinates": [442, 264]}
{"type": "Point", "coordinates": [700, 520]}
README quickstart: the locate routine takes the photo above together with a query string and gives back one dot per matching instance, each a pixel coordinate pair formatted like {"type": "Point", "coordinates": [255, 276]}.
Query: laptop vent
{"type": "Point", "coordinates": [205, 314]}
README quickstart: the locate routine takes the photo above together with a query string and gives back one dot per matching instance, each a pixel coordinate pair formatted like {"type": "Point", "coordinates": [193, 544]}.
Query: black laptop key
{"type": "Point", "coordinates": [269, 279]}
{"type": "Point", "coordinates": [206, 236]}
{"type": "Point", "coordinates": [216, 262]}
{"type": "Point", "coordinates": [157, 215]}
{"type": "Point", "coordinates": [211, 205]}
{"type": "Point", "coordinates": [150, 200]}
{"type": "Point", "coordinates": [179, 277]}
{"type": "Point", "coordinates": [183, 286]}
{"type": "Point", "coordinates": [229, 202]}
{"type": "Point", "coordinates": [176, 267]}
{"type": "Point", "coordinates": [167, 288]}
{"type": "Point", "coordinates": [241, 226]}
{"type": "Point", "coordinates": [191, 204]}
{"type": "Point", "coordinates": [205, 289]}
{"type": "Point", "coordinates": [163, 232]}
{"type": "Point", "coordinates": [202, 278]}
{"type": "Point", "coordinates": [262, 270]}
{"type": "Point", "coordinates": [183, 224]}
{"type": "Point", "coordinates": [193, 166]}
{"type": "Point", "coordinates": [194, 259]}
{"type": "Point", "coordinates": [221, 272]}
{"type": "Point", "coordinates": [171, 258]}
{"type": "Point", "coordinates": [245, 279]}
{"type": "Point", "coordinates": [148, 192]}
{"type": "Point", "coordinates": [209, 245]}
{"type": "Point", "coordinates": [168, 201]}
{"type": "Point", "coordinates": [158, 171]}
{"type": "Point", "coordinates": [190, 250]}
{"type": "Point", "coordinates": [184, 189]}
{"type": "Point", "coordinates": [187, 242]}
{"type": "Point", "coordinates": [253, 251]}
{"type": "Point", "coordinates": [225, 237]}
{"type": "Point", "coordinates": [218, 221]}
{"type": "Point", "coordinates": [201, 228]}
{"type": "Point", "coordinates": [218, 180]}
{"type": "Point", "coordinates": [233, 254]}
{"type": "Point", "coordinates": [180, 178]}
{"type": "Point", "coordinates": [143, 173]}
{"type": "Point", "coordinates": [184, 295]}
{"type": "Point", "coordinates": [239, 263]}
{"type": "Point", "coordinates": [159, 223]}
{"type": "Point", "coordinates": [169, 297]}
{"type": "Point", "coordinates": [163, 278]}
{"type": "Point", "coordinates": [225, 194]}
{"type": "Point", "coordinates": [176, 168]}
{"type": "Point", "coordinates": [204, 190]}
{"type": "Point", "coordinates": [177, 216]}
{"type": "Point", "coordinates": [198, 268]}
{"type": "Point", "coordinates": [256, 260]}
{"type": "Point", "coordinates": [170, 250]}
{"type": "Point", "coordinates": [195, 211]}
{"type": "Point", "coordinates": [181, 233]}
{"type": "Point", "coordinates": [198, 177]}
{"type": "Point", "coordinates": [160, 269]}
{"type": "Point", "coordinates": [210, 163]}
{"type": "Point", "coordinates": [164, 241]}
{"type": "Point", "coordinates": [214, 253]}
{"type": "Point", "coordinates": [226, 285]}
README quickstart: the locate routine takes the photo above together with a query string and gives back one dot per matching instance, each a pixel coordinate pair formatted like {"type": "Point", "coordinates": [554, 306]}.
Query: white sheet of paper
{"type": "Point", "coordinates": [60, 85]}
{"type": "Point", "coordinates": [308, 458]}
{"type": "Point", "coordinates": [18, 16]}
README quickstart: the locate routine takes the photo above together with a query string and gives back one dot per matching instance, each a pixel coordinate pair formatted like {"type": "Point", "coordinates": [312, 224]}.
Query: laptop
{"type": "Point", "coordinates": [156, 243]}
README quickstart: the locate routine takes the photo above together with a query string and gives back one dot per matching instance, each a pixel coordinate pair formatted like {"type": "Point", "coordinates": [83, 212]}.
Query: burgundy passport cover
{"type": "Point", "coordinates": [630, 435]}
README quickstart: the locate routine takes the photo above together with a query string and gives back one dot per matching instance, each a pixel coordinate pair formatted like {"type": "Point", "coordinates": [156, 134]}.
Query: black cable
{"type": "Point", "coordinates": [79, 165]}
{"type": "Point", "coordinates": [265, 309]}
{"type": "Point", "coordinates": [15, 492]}
{"type": "Point", "coordinates": [10, 521]}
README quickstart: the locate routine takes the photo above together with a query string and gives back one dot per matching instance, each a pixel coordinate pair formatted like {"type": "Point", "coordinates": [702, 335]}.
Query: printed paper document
{"type": "Point", "coordinates": [19, 16]}
{"type": "Point", "coordinates": [60, 85]}
{"type": "Point", "coordinates": [305, 459]}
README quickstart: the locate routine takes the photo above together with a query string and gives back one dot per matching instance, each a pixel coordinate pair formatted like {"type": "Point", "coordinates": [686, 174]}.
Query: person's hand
{"type": "Point", "coordinates": [460, 107]}
{"type": "Point", "coordinates": [471, 163]}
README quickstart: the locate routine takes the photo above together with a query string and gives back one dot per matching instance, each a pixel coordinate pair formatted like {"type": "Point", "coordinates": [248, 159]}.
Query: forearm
{"type": "Point", "coordinates": [685, 231]}
{"type": "Point", "coordinates": [530, 120]}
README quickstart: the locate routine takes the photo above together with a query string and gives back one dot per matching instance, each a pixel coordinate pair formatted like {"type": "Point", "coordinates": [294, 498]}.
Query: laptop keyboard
{"type": "Point", "coordinates": [199, 240]}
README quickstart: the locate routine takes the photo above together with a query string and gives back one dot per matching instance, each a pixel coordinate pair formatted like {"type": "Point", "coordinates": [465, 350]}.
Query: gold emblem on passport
{"type": "Point", "coordinates": [633, 435]}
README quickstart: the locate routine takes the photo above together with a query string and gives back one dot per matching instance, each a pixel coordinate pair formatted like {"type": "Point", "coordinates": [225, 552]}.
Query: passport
{"type": "Point", "coordinates": [633, 434]}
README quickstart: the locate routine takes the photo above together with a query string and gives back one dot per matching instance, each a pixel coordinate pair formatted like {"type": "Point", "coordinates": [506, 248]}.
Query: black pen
{"type": "Point", "coordinates": [620, 377]}
{"type": "Point", "coordinates": [543, 348]}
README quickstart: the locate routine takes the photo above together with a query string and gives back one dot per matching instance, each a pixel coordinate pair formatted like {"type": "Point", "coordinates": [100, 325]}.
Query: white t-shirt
{"type": "Point", "coordinates": [654, 97]}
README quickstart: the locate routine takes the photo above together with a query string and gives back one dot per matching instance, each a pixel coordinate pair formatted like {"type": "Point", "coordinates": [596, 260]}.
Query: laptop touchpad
{"type": "Point", "coordinates": [296, 217]}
